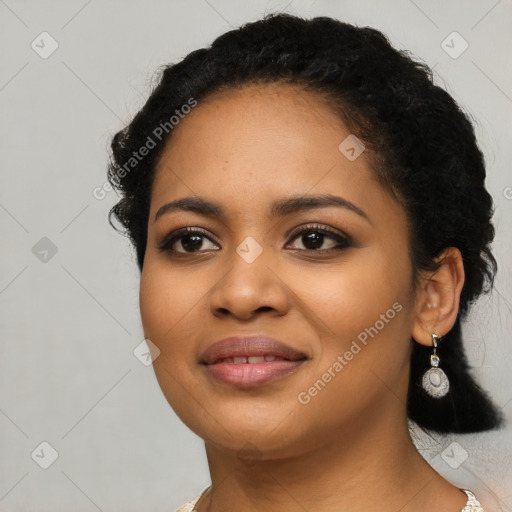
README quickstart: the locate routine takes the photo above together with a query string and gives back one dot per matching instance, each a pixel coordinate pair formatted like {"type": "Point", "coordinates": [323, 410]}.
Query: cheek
{"type": "Point", "coordinates": [166, 298]}
{"type": "Point", "coordinates": [352, 296]}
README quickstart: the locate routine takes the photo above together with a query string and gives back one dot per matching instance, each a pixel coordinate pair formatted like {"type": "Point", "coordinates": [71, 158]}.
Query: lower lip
{"type": "Point", "coordinates": [252, 374]}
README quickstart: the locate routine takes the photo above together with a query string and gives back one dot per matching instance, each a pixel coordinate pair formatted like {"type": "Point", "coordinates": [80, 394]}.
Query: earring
{"type": "Point", "coordinates": [435, 382]}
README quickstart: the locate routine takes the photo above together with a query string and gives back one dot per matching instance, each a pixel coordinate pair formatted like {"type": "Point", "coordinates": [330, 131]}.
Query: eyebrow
{"type": "Point", "coordinates": [279, 208]}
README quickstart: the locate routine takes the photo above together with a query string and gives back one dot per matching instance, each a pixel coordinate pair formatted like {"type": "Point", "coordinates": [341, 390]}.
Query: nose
{"type": "Point", "coordinates": [248, 289]}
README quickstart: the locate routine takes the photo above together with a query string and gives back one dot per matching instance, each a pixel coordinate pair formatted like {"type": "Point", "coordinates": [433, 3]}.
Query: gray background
{"type": "Point", "coordinates": [70, 320]}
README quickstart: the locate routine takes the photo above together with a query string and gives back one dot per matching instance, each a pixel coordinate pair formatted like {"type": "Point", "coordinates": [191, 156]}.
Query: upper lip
{"type": "Point", "coordinates": [247, 346]}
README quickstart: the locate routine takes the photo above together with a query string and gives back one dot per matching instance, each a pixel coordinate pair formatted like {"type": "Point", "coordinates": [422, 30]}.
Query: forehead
{"type": "Point", "coordinates": [253, 111]}
{"type": "Point", "coordinates": [276, 132]}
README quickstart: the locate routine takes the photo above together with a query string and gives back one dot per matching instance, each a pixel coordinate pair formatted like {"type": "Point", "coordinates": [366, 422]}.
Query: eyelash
{"type": "Point", "coordinates": [343, 241]}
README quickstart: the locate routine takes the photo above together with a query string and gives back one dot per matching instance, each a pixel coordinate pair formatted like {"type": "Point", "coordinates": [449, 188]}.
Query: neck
{"type": "Point", "coordinates": [372, 469]}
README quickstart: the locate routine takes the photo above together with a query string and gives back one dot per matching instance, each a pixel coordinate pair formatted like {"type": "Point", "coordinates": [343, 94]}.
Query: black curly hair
{"type": "Point", "coordinates": [422, 146]}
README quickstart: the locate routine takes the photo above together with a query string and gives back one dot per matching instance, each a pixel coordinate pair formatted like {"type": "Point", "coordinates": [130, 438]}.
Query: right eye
{"type": "Point", "coordinates": [190, 239]}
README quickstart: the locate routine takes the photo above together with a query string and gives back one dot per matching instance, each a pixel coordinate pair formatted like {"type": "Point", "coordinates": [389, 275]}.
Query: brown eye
{"type": "Point", "coordinates": [313, 238]}
{"type": "Point", "coordinates": [189, 239]}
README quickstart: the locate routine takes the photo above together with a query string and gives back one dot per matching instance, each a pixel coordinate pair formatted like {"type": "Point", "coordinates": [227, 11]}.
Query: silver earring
{"type": "Point", "coordinates": [435, 382]}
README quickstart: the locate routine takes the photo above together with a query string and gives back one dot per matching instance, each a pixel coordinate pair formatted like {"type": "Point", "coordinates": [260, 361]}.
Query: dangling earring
{"type": "Point", "coordinates": [435, 381]}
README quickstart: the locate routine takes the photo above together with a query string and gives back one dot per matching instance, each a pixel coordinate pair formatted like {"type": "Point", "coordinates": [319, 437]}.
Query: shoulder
{"type": "Point", "coordinates": [189, 506]}
{"type": "Point", "coordinates": [472, 505]}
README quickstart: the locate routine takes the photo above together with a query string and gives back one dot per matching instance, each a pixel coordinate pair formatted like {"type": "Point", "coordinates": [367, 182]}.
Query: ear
{"type": "Point", "coordinates": [437, 298]}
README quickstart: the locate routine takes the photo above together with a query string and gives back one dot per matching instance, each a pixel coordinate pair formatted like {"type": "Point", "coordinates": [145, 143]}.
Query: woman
{"type": "Point", "coordinates": [311, 226]}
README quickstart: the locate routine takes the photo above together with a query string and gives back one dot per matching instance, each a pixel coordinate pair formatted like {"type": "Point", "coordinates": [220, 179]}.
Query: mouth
{"type": "Point", "coordinates": [250, 360]}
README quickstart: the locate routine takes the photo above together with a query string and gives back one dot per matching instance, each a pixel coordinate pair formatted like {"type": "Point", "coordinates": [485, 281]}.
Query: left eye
{"type": "Point", "coordinates": [313, 238]}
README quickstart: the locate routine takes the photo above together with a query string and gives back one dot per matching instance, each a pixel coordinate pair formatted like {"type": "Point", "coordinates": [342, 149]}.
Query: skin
{"type": "Point", "coordinates": [348, 448]}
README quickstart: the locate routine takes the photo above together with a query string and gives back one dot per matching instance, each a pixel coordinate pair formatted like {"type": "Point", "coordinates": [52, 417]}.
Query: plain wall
{"type": "Point", "coordinates": [70, 324]}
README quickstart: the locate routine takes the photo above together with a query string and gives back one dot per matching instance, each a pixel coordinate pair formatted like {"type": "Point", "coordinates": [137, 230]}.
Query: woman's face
{"type": "Point", "coordinates": [339, 294]}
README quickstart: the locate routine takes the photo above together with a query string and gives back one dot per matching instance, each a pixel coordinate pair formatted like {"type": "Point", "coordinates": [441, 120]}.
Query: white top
{"type": "Point", "coordinates": [472, 505]}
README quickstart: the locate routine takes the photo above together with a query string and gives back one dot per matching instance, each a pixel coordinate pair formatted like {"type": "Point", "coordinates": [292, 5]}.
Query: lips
{"type": "Point", "coordinates": [252, 348]}
{"type": "Point", "coordinates": [250, 361]}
